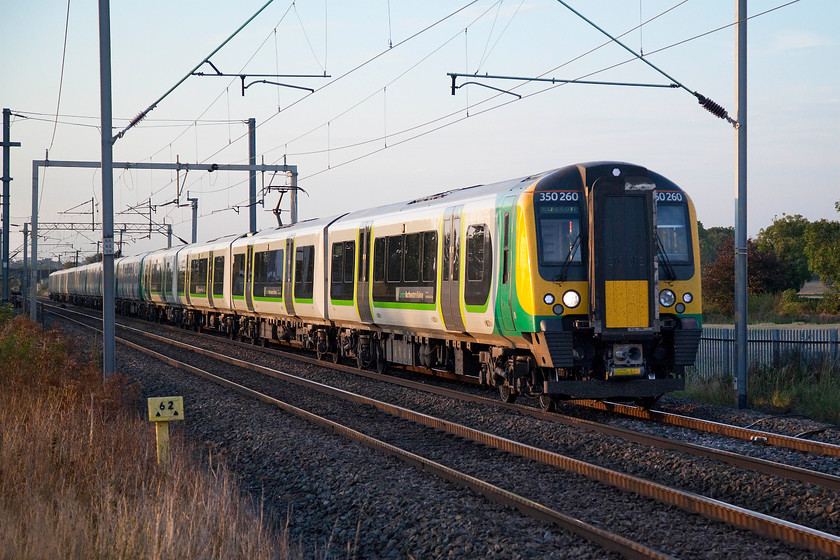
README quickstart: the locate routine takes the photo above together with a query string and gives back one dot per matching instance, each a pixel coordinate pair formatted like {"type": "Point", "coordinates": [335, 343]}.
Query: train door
{"type": "Point", "coordinates": [507, 260]}
{"type": "Point", "coordinates": [450, 285]}
{"type": "Point", "coordinates": [249, 277]}
{"type": "Point", "coordinates": [622, 250]}
{"type": "Point", "coordinates": [188, 279]}
{"type": "Point", "coordinates": [210, 277]}
{"type": "Point", "coordinates": [363, 275]}
{"type": "Point", "coordinates": [288, 278]}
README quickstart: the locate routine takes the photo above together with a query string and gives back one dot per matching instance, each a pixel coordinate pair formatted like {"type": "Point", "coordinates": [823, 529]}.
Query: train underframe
{"type": "Point", "coordinates": [550, 365]}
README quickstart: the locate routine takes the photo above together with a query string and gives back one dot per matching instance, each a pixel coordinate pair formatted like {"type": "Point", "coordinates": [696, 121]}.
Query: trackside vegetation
{"type": "Point", "coordinates": [78, 468]}
{"type": "Point", "coordinates": [782, 258]}
{"type": "Point", "coordinates": [799, 386]}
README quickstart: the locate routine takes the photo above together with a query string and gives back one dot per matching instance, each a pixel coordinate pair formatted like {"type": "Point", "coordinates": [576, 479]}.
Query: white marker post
{"type": "Point", "coordinates": [162, 410]}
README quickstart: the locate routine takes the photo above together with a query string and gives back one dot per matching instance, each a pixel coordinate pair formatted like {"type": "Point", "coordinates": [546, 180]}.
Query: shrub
{"type": "Point", "coordinates": [790, 304]}
{"type": "Point", "coordinates": [830, 303]}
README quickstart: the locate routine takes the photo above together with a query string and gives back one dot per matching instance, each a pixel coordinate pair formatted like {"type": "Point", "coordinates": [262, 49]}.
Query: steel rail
{"type": "Point", "coordinates": [756, 464]}
{"type": "Point", "coordinates": [607, 540]}
{"type": "Point", "coordinates": [715, 510]}
{"type": "Point", "coordinates": [738, 432]}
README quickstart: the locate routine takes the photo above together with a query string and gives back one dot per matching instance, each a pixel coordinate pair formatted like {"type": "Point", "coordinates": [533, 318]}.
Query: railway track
{"type": "Point", "coordinates": [747, 434]}
{"type": "Point", "coordinates": [737, 516]}
{"type": "Point", "coordinates": [740, 460]}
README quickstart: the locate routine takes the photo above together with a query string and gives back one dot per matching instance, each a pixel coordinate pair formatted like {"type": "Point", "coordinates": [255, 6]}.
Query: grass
{"type": "Point", "coordinates": [798, 386]}
{"type": "Point", "coordinates": [79, 475]}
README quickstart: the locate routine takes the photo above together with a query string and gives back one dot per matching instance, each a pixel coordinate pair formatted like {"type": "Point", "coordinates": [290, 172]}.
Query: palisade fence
{"type": "Point", "coordinates": [767, 347]}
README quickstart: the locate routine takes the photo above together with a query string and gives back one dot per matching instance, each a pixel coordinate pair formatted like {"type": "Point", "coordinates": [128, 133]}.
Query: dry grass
{"type": "Point", "coordinates": [79, 475]}
{"type": "Point", "coordinates": [797, 386]}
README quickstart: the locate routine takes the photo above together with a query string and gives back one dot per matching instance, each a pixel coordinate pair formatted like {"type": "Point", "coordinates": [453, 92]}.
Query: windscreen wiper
{"type": "Point", "coordinates": [564, 268]}
{"type": "Point", "coordinates": [670, 275]}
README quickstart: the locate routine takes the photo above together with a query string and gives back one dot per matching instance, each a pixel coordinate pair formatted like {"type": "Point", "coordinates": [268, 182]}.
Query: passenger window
{"type": "Point", "coordinates": [167, 279]}
{"type": "Point", "coordinates": [429, 256]}
{"type": "Point", "coordinates": [337, 270]}
{"type": "Point", "coordinates": [268, 277]}
{"type": "Point", "coordinates": [349, 258]}
{"type": "Point", "coordinates": [379, 259]}
{"type": "Point", "coordinates": [411, 272]}
{"type": "Point", "coordinates": [304, 272]}
{"type": "Point", "coordinates": [218, 276]}
{"type": "Point", "coordinates": [395, 258]}
{"type": "Point", "coordinates": [198, 277]}
{"type": "Point", "coordinates": [479, 263]}
{"type": "Point", "coordinates": [475, 253]}
{"type": "Point", "coordinates": [238, 275]}
{"type": "Point", "coordinates": [341, 274]}
{"type": "Point", "coordinates": [182, 276]}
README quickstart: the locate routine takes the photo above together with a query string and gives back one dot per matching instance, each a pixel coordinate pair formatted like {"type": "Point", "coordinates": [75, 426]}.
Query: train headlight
{"type": "Point", "coordinates": [548, 299]}
{"type": "Point", "coordinates": [687, 297]}
{"type": "Point", "coordinates": [558, 309]}
{"type": "Point", "coordinates": [680, 307]}
{"type": "Point", "coordinates": [571, 299]}
{"type": "Point", "coordinates": [667, 298]}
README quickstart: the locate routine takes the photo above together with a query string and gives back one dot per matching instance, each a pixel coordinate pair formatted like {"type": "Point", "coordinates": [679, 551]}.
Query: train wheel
{"type": "Point", "coordinates": [547, 403]}
{"type": "Point", "coordinates": [506, 394]}
{"type": "Point", "coordinates": [381, 363]}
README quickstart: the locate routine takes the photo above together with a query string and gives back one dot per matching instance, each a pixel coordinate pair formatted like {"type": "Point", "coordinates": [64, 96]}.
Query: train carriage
{"type": "Point", "coordinates": [159, 283]}
{"type": "Point", "coordinates": [206, 284]}
{"type": "Point", "coordinates": [127, 292]}
{"type": "Point", "coordinates": [580, 282]}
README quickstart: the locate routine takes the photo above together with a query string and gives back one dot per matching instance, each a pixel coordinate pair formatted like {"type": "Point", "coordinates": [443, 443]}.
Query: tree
{"type": "Point", "coordinates": [822, 245]}
{"type": "Point", "coordinates": [765, 274]}
{"type": "Point", "coordinates": [786, 238]}
{"type": "Point", "coordinates": [710, 241]}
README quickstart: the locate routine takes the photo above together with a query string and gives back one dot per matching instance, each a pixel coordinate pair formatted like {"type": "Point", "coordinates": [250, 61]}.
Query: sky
{"type": "Point", "coordinates": [382, 124]}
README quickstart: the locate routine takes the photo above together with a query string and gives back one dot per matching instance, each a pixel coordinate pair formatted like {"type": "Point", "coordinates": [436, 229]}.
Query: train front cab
{"type": "Point", "coordinates": [615, 282]}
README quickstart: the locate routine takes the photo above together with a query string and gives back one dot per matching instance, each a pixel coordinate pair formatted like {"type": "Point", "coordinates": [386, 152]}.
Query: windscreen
{"type": "Point", "coordinates": [559, 229]}
{"type": "Point", "coordinates": [673, 229]}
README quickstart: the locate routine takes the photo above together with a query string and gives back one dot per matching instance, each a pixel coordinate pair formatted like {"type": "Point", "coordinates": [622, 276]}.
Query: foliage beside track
{"type": "Point", "coordinates": [800, 386]}
{"type": "Point", "coordinates": [78, 469]}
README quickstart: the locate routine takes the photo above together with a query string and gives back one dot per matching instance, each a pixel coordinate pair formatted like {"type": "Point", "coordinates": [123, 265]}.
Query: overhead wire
{"type": "Point", "coordinates": [373, 94]}
{"type": "Point", "coordinates": [525, 96]}
{"type": "Point", "coordinates": [212, 103]}
{"type": "Point", "coordinates": [499, 38]}
{"type": "Point", "coordinates": [415, 127]}
{"type": "Point", "coordinates": [453, 113]}
{"type": "Point", "coordinates": [61, 77]}
{"type": "Point", "coordinates": [376, 91]}
{"type": "Point", "coordinates": [444, 125]}
{"type": "Point", "coordinates": [151, 107]}
{"type": "Point", "coordinates": [490, 35]}
{"type": "Point", "coordinates": [354, 69]}
{"type": "Point", "coordinates": [308, 42]}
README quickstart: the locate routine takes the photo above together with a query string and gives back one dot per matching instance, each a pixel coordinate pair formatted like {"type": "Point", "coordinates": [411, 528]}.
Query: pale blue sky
{"type": "Point", "coordinates": [794, 101]}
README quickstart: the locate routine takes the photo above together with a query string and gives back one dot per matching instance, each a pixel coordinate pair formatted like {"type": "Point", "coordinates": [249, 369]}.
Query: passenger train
{"type": "Point", "coordinates": [580, 282]}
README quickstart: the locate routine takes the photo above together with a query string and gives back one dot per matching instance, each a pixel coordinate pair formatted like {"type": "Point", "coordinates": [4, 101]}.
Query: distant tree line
{"type": "Point", "coordinates": [783, 256]}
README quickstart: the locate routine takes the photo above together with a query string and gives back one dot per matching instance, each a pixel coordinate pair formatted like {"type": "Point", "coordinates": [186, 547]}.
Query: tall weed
{"type": "Point", "coordinates": [79, 475]}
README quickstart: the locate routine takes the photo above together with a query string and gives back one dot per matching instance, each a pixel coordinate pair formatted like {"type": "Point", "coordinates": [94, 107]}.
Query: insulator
{"type": "Point", "coordinates": [712, 107]}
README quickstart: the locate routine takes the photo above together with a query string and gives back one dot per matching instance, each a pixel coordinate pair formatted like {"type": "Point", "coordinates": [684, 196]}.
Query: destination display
{"type": "Point", "coordinates": [412, 294]}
